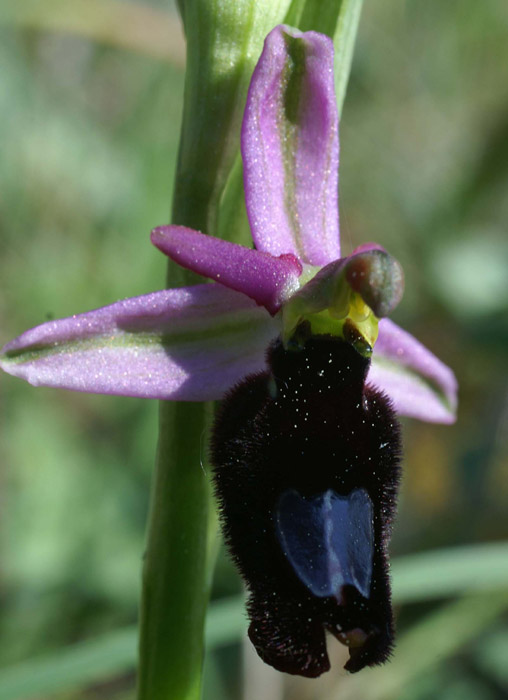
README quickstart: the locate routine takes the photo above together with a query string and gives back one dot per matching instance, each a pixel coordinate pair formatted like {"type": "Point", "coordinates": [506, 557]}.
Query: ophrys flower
{"type": "Point", "coordinates": [289, 316]}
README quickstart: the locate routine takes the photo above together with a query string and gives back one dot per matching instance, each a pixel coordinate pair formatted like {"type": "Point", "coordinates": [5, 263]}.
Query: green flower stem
{"type": "Point", "coordinates": [182, 534]}
{"type": "Point", "coordinates": [178, 560]}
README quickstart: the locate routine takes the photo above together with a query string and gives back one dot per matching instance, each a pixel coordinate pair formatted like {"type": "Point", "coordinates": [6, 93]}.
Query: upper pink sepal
{"type": "Point", "coordinates": [269, 280]}
{"type": "Point", "coordinates": [290, 148]}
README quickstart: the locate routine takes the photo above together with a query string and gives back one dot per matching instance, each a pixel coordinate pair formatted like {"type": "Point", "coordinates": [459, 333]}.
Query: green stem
{"type": "Point", "coordinates": [182, 525]}
{"type": "Point", "coordinates": [177, 567]}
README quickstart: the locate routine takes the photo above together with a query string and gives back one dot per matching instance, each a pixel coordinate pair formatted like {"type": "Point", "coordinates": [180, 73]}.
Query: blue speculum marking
{"type": "Point", "coordinates": [328, 540]}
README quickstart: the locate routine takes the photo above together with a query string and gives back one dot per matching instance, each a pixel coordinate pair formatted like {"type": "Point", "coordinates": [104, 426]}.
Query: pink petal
{"type": "Point", "coordinates": [290, 148]}
{"type": "Point", "coordinates": [261, 276]}
{"type": "Point", "coordinates": [418, 383]}
{"type": "Point", "coordinates": [188, 344]}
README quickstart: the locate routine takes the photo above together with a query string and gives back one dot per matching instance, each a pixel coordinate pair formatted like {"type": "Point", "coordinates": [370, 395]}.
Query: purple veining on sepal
{"type": "Point", "coordinates": [290, 148]}
{"type": "Point", "coordinates": [419, 384]}
{"type": "Point", "coordinates": [269, 280]}
{"type": "Point", "coordinates": [188, 344]}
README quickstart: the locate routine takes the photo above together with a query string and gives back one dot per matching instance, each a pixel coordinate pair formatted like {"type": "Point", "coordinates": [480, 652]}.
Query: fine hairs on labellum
{"type": "Point", "coordinates": [306, 461]}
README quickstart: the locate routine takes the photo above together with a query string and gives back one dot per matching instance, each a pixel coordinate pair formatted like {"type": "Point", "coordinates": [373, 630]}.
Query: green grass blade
{"type": "Point", "coordinates": [446, 572]}
{"type": "Point", "coordinates": [425, 646]}
{"type": "Point", "coordinates": [416, 577]}
{"type": "Point", "coordinates": [73, 667]}
{"type": "Point", "coordinates": [107, 656]}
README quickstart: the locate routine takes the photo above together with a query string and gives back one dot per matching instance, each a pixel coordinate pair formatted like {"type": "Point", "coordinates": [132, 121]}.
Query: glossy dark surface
{"type": "Point", "coordinates": [328, 540]}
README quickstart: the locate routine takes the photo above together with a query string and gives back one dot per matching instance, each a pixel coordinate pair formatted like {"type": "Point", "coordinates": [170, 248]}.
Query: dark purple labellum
{"type": "Point", "coordinates": [306, 468]}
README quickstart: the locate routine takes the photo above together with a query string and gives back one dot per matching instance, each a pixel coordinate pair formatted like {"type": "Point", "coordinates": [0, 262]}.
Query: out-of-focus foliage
{"type": "Point", "coordinates": [88, 145]}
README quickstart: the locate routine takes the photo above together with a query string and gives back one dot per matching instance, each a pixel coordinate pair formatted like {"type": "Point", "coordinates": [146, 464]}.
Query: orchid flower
{"type": "Point", "coordinates": [194, 343]}
{"type": "Point", "coordinates": [268, 314]}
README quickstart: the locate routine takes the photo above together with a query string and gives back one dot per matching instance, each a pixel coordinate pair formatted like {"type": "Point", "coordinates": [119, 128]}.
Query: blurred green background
{"type": "Point", "coordinates": [90, 108]}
